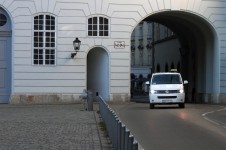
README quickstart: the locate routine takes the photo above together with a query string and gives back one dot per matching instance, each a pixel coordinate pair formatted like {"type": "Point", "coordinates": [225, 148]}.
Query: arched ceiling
{"type": "Point", "coordinates": [187, 26]}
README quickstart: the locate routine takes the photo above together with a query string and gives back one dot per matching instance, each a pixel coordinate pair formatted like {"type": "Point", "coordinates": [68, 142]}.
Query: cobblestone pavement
{"type": "Point", "coordinates": [50, 127]}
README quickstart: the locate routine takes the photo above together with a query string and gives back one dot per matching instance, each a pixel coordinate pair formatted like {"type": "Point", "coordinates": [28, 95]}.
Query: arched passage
{"type": "Point", "coordinates": [98, 72]}
{"type": "Point", "coordinates": [5, 56]}
{"type": "Point", "coordinates": [199, 52]}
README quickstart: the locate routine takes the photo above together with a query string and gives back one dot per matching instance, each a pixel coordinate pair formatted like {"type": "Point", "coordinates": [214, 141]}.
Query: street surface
{"type": "Point", "coordinates": [197, 127]}
{"type": "Point", "coordinates": [50, 127]}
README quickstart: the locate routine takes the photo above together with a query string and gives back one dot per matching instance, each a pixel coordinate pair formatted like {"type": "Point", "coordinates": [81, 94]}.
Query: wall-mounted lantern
{"type": "Point", "coordinates": [76, 44]}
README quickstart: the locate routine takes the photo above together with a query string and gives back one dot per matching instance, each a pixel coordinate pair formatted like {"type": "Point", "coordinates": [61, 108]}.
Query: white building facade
{"type": "Point", "coordinates": [36, 46]}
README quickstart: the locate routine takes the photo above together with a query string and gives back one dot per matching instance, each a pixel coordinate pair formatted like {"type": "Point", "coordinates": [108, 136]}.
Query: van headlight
{"type": "Point", "coordinates": [181, 91]}
{"type": "Point", "coordinates": [153, 92]}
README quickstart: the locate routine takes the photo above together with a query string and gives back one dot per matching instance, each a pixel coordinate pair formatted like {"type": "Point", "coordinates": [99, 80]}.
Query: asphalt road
{"type": "Point", "coordinates": [197, 127]}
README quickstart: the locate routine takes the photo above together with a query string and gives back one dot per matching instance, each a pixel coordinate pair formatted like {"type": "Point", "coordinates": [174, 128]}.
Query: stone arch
{"type": "Point", "coordinates": [98, 72]}
{"type": "Point", "coordinates": [199, 51]}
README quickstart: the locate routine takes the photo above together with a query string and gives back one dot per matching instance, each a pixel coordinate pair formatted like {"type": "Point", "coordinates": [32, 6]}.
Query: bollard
{"type": "Point", "coordinates": [135, 145]}
{"type": "Point", "coordinates": [116, 131]}
{"type": "Point", "coordinates": [131, 138]}
{"type": "Point", "coordinates": [123, 131]}
{"type": "Point", "coordinates": [90, 101]}
{"type": "Point", "coordinates": [119, 135]}
{"type": "Point", "coordinates": [85, 97]}
{"type": "Point", "coordinates": [110, 124]}
{"type": "Point", "coordinates": [114, 123]}
{"type": "Point", "coordinates": [127, 133]}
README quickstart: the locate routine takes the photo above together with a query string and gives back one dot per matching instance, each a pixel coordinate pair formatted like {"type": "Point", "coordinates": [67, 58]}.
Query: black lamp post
{"type": "Point", "coordinates": [76, 44]}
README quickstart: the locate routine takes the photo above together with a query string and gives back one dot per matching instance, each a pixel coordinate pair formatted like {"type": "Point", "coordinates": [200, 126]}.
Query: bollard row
{"type": "Point", "coordinates": [120, 136]}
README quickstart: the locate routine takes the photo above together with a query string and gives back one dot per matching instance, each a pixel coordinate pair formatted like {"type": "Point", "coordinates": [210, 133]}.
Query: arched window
{"type": "Point", "coordinates": [98, 26]}
{"type": "Point", "coordinates": [3, 19]}
{"type": "Point", "coordinates": [44, 40]}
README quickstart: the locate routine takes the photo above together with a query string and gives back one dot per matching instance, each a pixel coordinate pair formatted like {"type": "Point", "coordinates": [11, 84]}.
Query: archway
{"type": "Point", "coordinates": [5, 56]}
{"type": "Point", "coordinates": [199, 53]}
{"type": "Point", "coordinates": [98, 72]}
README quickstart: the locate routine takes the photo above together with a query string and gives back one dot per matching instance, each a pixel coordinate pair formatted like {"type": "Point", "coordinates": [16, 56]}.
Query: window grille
{"type": "Point", "coordinates": [44, 40]}
{"type": "Point", "coordinates": [98, 26]}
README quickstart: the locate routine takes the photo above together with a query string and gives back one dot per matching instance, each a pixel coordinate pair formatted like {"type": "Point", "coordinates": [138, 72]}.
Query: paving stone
{"type": "Point", "coordinates": [52, 127]}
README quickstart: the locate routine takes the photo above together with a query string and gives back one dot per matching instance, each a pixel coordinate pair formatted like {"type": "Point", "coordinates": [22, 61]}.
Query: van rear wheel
{"type": "Point", "coordinates": [152, 106]}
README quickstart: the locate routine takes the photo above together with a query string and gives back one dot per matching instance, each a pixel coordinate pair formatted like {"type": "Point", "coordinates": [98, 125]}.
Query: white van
{"type": "Point", "coordinates": [167, 88]}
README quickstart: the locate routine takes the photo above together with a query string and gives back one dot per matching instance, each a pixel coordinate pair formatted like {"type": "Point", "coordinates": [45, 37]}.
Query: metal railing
{"type": "Point", "coordinates": [120, 136]}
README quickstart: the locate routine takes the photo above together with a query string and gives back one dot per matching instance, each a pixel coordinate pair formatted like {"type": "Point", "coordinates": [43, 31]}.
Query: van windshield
{"type": "Point", "coordinates": [166, 79]}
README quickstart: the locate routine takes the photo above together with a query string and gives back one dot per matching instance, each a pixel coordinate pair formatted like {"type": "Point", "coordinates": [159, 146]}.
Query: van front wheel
{"type": "Point", "coordinates": [181, 105]}
{"type": "Point", "coordinates": [152, 106]}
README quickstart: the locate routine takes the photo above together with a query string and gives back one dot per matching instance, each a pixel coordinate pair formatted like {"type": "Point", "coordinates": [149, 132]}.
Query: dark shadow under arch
{"type": "Point", "coordinates": [199, 52]}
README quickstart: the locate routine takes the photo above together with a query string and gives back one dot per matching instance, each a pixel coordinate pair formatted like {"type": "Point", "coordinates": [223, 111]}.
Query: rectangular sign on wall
{"type": "Point", "coordinates": [119, 44]}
